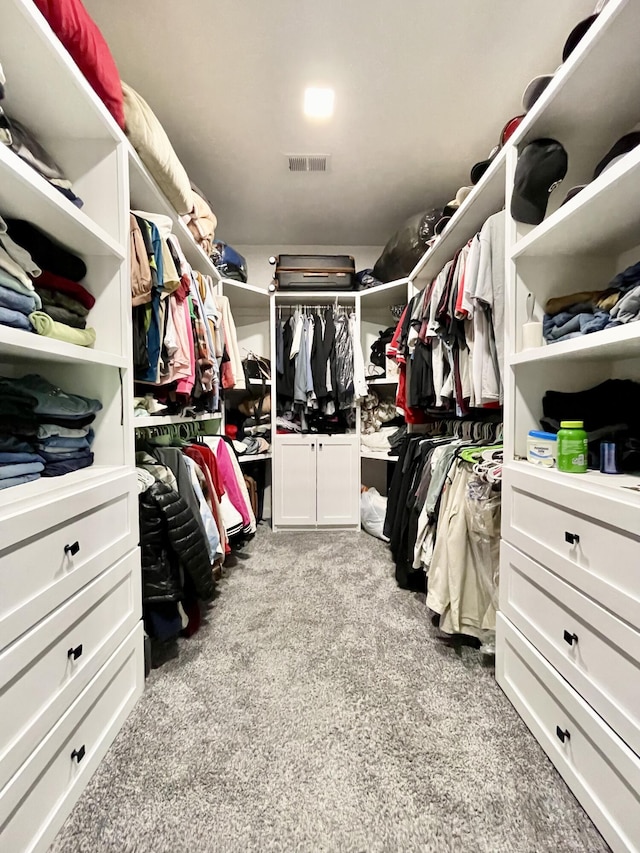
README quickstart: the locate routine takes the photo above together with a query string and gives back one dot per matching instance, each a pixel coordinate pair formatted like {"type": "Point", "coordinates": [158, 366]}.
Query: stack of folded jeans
{"type": "Point", "coordinates": [578, 314]}
{"type": "Point", "coordinates": [18, 298]}
{"type": "Point", "coordinates": [62, 303]}
{"type": "Point", "coordinates": [37, 417]}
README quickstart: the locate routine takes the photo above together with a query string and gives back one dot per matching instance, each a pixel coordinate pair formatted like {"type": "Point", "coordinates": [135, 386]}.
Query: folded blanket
{"type": "Point", "coordinates": [44, 325]}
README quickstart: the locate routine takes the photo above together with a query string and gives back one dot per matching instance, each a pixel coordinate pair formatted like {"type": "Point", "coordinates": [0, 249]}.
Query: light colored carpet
{"type": "Point", "coordinates": [317, 712]}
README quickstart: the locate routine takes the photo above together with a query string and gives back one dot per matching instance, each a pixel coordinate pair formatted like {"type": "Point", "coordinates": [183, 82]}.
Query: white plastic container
{"type": "Point", "coordinates": [542, 448]}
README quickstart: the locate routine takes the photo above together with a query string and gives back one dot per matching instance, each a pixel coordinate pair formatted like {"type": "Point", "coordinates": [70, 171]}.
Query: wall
{"type": "Point", "coordinates": [261, 271]}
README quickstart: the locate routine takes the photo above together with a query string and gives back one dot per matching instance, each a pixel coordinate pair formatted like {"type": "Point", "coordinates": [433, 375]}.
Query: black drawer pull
{"type": "Point", "coordinates": [78, 754]}
{"type": "Point", "coordinates": [75, 653]}
{"type": "Point", "coordinates": [571, 538]}
{"type": "Point", "coordinates": [570, 638]}
{"type": "Point", "coordinates": [563, 734]}
{"type": "Point", "coordinates": [72, 549]}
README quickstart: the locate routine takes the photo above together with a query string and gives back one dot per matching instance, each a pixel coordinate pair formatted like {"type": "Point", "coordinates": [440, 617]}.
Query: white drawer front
{"type": "Point", "coordinates": [602, 772]}
{"type": "Point", "coordinates": [596, 652]}
{"type": "Point", "coordinates": [47, 668]}
{"type": "Point", "coordinates": [35, 803]}
{"type": "Point", "coordinates": [37, 574]}
{"type": "Point", "coordinates": [591, 544]}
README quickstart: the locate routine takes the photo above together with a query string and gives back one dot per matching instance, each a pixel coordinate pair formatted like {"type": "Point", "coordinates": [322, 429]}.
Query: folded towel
{"type": "Point", "coordinates": [44, 325]}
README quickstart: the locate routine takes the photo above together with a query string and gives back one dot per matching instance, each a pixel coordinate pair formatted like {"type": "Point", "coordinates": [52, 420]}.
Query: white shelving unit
{"type": "Point", "coordinates": [568, 634]}
{"type": "Point", "coordinates": [71, 638]}
{"type": "Point", "coordinates": [163, 420]}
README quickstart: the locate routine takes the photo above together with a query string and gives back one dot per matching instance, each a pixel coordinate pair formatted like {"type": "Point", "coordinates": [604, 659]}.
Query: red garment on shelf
{"type": "Point", "coordinates": [49, 281]}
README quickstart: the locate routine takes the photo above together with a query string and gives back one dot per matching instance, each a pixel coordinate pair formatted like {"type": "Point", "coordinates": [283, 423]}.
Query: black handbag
{"type": "Point", "coordinates": [256, 369]}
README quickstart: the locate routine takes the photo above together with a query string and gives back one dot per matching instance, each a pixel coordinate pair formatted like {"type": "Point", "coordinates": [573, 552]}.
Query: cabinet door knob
{"type": "Point", "coordinates": [320, 446]}
{"type": "Point", "coordinates": [570, 638]}
{"type": "Point", "coordinates": [563, 734]}
{"type": "Point", "coordinates": [75, 653]}
{"type": "Point", "coordinates": [72, 549]}
{"type": "Point", "coordinates": [313, 447]}
{"type": "Point", "coordinates": [571, 538]}
{"type": "Point", "coordinates": [78, 754]}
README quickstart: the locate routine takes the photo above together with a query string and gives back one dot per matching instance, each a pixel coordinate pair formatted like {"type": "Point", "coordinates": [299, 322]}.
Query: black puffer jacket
{"type": "Point", "coordinates": [171, 541]}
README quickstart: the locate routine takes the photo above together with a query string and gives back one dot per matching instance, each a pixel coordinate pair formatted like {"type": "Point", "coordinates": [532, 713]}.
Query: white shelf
{"type": "Point", "coordinates": [380, 457]}
{"type": "Point", "coordinates": [385, 295]}
{"type": "Point", "coordinates": [487, 197]}
{"type": "Point", "coordinates": [607, 484]}
{"type": "Point", "coordinates": [161, 420]}
{"type": "Point", "coordinates": [17, 343]}
{"type": "Point", "coordinates": [260, 382]}
{"type": "Point", "coordinates": [382, 381]}
{"type": "Point", "coordinates": [618, 343]}
{"type": "Point", "coordinates": [586, 97]}
{"type": "Point", "coordinates": [146, 195]}
{"type": "Point", "coordinates": [44, 489]}
{"type": "Point", "coordinates": [604, 216]}
{"type": "Point", "coordinates": [53, 88]}
{"type": "Point", "coordinates": [253, 457]}
{"type": "Point", "coordinates": [244, 296]}
{"type": "Point", "coordinates": [25, 194]}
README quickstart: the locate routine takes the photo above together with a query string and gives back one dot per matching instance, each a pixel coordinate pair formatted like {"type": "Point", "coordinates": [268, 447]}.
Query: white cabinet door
{"type": "Point", "coordinates": [295, 491]}
{"type": "Point", "coordinates": [338, 480]}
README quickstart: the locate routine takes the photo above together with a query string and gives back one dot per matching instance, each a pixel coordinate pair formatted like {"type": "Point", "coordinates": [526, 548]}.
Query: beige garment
{"type": "Point", "coordinates": [457, 588]}
{"type": "Point", "coordinates": [140, 269]}
{"type": "Point", "coordinates": [151, 142]}
{"type": "Point", "coordinates": [201, 222]}
{"type": "Point", "coordinates": [170, 275]}
{"type": "Point", "coordinates": [231, 340]}
{"type": "Point", "coordinates": [560, 303]}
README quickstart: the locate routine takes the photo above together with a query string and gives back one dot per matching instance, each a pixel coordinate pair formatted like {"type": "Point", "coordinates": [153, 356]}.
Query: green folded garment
{"type": "Point", "coordinates": [44, 325]}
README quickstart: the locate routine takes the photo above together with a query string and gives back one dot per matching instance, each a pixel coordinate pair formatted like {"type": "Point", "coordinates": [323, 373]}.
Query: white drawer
{"type": "Point", "coordinates": [37, 800]}
{"type": "Point", "coordinates": [46, 669]}
{"type": "Point", "coordinates": [589, 540]}
{"type": "Point", "coordinates": [602, 772]}
{"type": "Point", "coordinates": [597, 653]}
{"type": "Point", "coordinates": [36, 572]}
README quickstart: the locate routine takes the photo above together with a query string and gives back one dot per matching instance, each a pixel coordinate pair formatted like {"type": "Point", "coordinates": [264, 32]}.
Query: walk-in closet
{"type": "Point", "coordinates": [319, 426]}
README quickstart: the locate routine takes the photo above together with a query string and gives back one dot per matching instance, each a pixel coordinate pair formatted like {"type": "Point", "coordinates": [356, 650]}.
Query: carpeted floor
{"type": "Point", "coordinates": [317, 712]}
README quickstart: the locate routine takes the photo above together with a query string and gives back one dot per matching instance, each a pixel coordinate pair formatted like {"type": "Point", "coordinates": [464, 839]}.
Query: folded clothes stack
{"type": "Point", "coordinates": [18, 298]}
{"type": "Point", "coordinates": [582, 313]}
{"type": "Point", "coordinates": [62, 303]}
{"type": "Point", "coordinates": [22, 142]}
{"type": "Point", "coordinates": [43, 430]}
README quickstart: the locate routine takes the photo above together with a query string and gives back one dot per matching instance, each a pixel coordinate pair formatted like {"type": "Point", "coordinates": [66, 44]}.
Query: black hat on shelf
{"type": "Point", "coordinates": [620, 149]}
{"type": "Point", "coordinates": [623, 146]}
{"type": "Point", "coordinates": [575, 36]}
{"type": "Point", "coordinates": [541, 167]}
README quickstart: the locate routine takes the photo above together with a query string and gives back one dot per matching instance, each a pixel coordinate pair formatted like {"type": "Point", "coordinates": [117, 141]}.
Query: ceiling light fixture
{"type": "Point", "coordinates": [318, 103]}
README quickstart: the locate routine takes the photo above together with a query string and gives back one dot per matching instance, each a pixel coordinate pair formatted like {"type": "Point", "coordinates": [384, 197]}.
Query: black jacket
{"type": "Point", "coordinates": [171, 542]}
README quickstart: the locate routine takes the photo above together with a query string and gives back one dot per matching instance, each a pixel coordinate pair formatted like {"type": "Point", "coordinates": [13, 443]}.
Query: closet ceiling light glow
{"type": "Point", "coordinates": [318, 103]}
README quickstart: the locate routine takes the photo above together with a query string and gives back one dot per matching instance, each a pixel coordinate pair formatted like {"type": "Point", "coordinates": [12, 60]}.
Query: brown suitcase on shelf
{"type": "Point", "coordinates": [313, 272]}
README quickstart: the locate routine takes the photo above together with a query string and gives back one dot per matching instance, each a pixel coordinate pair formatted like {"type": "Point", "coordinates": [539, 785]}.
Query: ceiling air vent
{"type": "Point", "coordinates": [308, 162]}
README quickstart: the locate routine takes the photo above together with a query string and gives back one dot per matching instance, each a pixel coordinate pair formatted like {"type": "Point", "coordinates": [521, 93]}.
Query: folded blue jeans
{"type": "Point", "coordinates": [57, 469]}
{"type": "Point", "coordinates": [18, 481]}
{"type": "Point", "coordinates": [69, 454]}
{"type": "Point", "coordinates": [7, 458]}
{"type": "Point", "coordinates": [15, 319]}
{"type": "Point", "coordinates": [16, 301]}
{"type": "Point", "coordinates": [50, 400]}
{"type": "Point", "coordinates": [8, 471]}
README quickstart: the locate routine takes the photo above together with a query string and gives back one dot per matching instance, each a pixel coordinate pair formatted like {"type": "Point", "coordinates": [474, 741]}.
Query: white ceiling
{"type": "Point", "coordinates": [423, 88]}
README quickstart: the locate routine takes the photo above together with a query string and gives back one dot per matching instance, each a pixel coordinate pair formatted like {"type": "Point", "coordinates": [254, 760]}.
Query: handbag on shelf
{"type": "Point", "coordinates": [257, 372]}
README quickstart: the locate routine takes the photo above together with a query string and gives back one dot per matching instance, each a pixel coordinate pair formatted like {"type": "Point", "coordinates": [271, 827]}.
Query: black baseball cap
{"type": "Point", "coordinates": [540, 168]}
{"type": "Point", "coordinates": [576, 35]}
{"type": "Point", "coordinates": [623, 146]}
